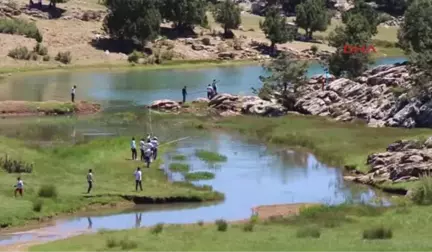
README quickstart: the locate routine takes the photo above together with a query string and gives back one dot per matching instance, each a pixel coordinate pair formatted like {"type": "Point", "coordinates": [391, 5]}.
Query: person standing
{"type": "Point", "coordinates": [138, 179]}
{"type": "Point", "coordinates": [184, 93]}
{"type": "Point", "coordinates": [90, 180]}
{"type": "Point", "coordinates": [148, 153]}
{"type": "Point", "coordinates": [210, 92]}
{"type": "Point", "coordinates": [133, 149]}
{"type": "Point", "coordinates": [73, 93]}
{"type": "Point", "coordinates": [214, 87]}
{"type": "Point", "coordinates": [142, 146]}
{"type": "Point", "coordinates": [155, 145]}
{"type": "Point", "coordinates": [19, 187]}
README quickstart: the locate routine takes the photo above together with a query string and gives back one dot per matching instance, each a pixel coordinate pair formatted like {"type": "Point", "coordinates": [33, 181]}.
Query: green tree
{"type": "Point", "coordinates": [185, 14]}
{"type": "Point", "coordinates": [356, 32]}
{"type": "Point", "coordinates": [137, 20]}
{"type": "Point", "coordinates": [365, 10]}
{"type": "Point", "coordinates": [415, 38]}
{"type": "Point", "coordinates": [312, 15]}
{"type": "Point", "coordinates": [276, 28]}
{"type": "Point", "coordinates": [228, 14]}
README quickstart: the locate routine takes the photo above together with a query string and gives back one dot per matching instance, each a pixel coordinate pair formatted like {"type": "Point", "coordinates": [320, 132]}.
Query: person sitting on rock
{"type": "Point", "coordinates": [210, 92]}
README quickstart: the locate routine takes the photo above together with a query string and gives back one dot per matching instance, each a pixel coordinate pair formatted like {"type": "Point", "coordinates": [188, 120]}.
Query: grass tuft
{"type": "Point", "coordinates": [209, 156]}
{"type": "Point", "coordinates": [222, 225]}
{"type": "Point", "coordinates": [377, 233]}
{"type": "Point", "coordinates": [422, 193]}
{"type": "Point", "coordinates": [308, 232]}
{"type": "Point", "coordinates": [179, 167]}
{"type": "Point", "coordinates": [204, 175]}
{"type": "Point", "coordinates": [37, 206]}
{"type": "Point", "coordinates": [48, 191]}
{"type": "Point", "coordinates": [157, 229]}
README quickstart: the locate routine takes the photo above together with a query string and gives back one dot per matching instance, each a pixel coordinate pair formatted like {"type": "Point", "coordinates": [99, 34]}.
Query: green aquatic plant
{"type": "Point", "coordinates": [210, 157]}
{"type": "Point", "coordinates": [203, 175]}
{"type": "Point", "coordinates": [179, 157]}
{"type": "Point", "coordinates": [179, 167]}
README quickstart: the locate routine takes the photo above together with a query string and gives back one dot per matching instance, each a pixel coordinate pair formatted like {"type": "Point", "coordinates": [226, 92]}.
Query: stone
{"type": "Point", "coordinates": [197, 47]}
{"type": "Point", "coordinates": [168, 105]}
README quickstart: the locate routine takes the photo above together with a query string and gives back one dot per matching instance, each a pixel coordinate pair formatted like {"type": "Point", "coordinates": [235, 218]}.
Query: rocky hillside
{"type": "Point", "coordinates": [404, 160]}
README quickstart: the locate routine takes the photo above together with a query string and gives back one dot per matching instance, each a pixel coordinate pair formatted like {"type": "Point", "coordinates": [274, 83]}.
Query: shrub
{"type": "Point", "coordinates": [206, 41]}
{"type": "Point", "coordinates": [157, 229]}
{"type": "Point", "coordinates": [20, 27]}
{"type": "Point", "coordinates": [15, 166]}
{"type": "Point", "coordinates": [37, 205]}
{"type": "Point", "coordinates": [151, 59]}
{"type": "Point", "coordinates": [40, 49]}
{"type": "Point", "coordinates": [48, 191]}
{"type": "Point", "coordinates": [248, 226]}
{"type": "Point", "coordinates": [422, 193]}
{"type": "Point", "coordinates": [20, 53]}
{"type": "Point", "coordinates": [200, 223]}
{"type": "Point", "coordinates": [34, 56]}
{"type": "Point", "coordinates": [111, 242]}
{"type": "Point", "coordinates": [377, 233]}
{"type": "Point", "coordinates": [64, 57]}
{"type": "Point", "coordinates": [46, 58]}
{"type": "Point", "coordinates": [308, 232]}
{"type": "Point", "coordinates": [135, 56]}
{"type": "Point", "coordinates": [127, 244]}
{"type": "Point", "coordinates": [314, 49]}
{"type": "Point", "coordinates": [222, 225]}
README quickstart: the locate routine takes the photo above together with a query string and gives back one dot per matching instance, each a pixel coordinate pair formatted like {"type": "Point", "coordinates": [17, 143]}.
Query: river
{"type": "Point", "coordinates": [254, 174]}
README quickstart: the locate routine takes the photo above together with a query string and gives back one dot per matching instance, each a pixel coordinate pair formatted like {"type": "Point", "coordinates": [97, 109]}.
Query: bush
{"type": "Point", "coordinates": [206, 41]}
{"type": "Point", "coordinates": [422, 193]}
{"type": "Point", "coordinates": [314, 49]}
{"type": "Point", "coordinates": [308, 232]}
{"type": "Point", "coordinates": [37, 206]}
{"type": "Point", "coordinates": [157, 229]}
{"type": "Point", "coordinates": [48, 191]}
{"type": "Point", "coordinates": [222, 225]}
{"type": "Point", "coordinates": [40, 49]}
{"type": "Point", "coordinates": [200, 223]}
{"type": "Point", "coordinates": [20, 53]}
{"type": "Point", "coordinates": [111, 242]}
{"type": "Point", "coordinates": [167, 55]}
{"type": "Point", "coordinates": [20, 27]}
{"type": "Point", "coordinates": [64, 57]}
{"type": "Point", "coordinates": [46, 58]}
{"type": "Point", "coordinates": [377, 233]}
{"type": "Point", "coordinates": [15, 166]}
{"type": "Point", "coordinates": [248, 226]}
{"type": "Point", "coordinates": [34, 56]}
{"type": "Point", "coordinates": [135, 56]}
{"type": "Point", "coordinates": [127, 244]}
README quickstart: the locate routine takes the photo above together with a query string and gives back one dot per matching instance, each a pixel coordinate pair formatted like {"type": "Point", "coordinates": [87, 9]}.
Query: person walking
{"type": "Point", "coordinates": [142, 146]}
{"type": "Point", "coordinates": [138, 179]}
{"type": "Point", "coordinates": [155, 145]}
{"type": "Point", "coordinates": [73, 93]}
{"type": "Point", "coordinates": [19, 187]}
{"type": "Point", "coordinates": [210, 92]}
{"type": "Point", "coordinates": [184, 93]}
{"type": "Point", "coordinates": [90, 180]}
{"type": "Point", "coordinates": [214, 87]}
{"type": "Point", "coordinates": [148, 153]}
{"type": "Point", "coordinates": [133, 149]}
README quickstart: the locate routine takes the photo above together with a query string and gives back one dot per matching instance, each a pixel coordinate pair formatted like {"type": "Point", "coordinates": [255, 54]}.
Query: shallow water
{"type": "Point", "coordinates": [254, 174]}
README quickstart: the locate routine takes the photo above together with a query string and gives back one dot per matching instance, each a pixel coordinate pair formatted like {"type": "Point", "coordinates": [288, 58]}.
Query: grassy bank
{"type": "Point", "coordinates": [319, 228]}
{"type": "Point", "coordinates": [62, 174]}
{"type": "Point", "coordinates": [47, 108]}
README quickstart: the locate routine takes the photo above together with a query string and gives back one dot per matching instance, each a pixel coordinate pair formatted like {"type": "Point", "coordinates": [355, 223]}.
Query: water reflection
{"type": "Point", "coordinates": [138, 217]}
{"type": "Point", "coordinates": [90, 223]}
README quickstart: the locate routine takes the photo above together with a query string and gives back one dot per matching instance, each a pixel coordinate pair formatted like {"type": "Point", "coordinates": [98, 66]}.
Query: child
{"type": "Point", "coordinates": [19, 187]}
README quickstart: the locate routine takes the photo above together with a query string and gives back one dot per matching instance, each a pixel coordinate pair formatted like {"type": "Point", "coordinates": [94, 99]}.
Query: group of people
{"type": "Point", "coordinates": [148, 149]}
{"type": "Point", "coordinates": [211, 91]}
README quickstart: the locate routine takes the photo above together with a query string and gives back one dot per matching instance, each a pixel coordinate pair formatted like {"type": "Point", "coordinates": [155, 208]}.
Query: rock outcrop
{"type": "Point", "coordinates": [404, 160]}
{"type": "Point", "coordinates": [165, 105]}
{"type": "Point", "coordinates": [228, 104]}
{"type": "Point", "coordinates": [377, 97]}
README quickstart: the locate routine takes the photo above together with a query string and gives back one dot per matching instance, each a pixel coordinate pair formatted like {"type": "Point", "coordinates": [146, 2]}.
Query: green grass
{"type": "Point", "coordinates": [209, 156]}
{"type": "Point", "coordinates": [58, 181]}
{"type": "Point", "coordinates": [199, 175]}
{"type": "Point", "coordinates": [179, 157]}
{"type": "Point", "coordinates": [409, 232]}
{"type": "Point", "coordinates": [20, 27]}
{"type": "Point", "coordinates": [35, 107]}
{"type": "Point", "coordinates": [179, 167]}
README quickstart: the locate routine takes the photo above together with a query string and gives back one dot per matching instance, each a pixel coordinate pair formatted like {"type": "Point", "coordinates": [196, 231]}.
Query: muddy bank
{"type": "Point", "coordinates": [29, 108]}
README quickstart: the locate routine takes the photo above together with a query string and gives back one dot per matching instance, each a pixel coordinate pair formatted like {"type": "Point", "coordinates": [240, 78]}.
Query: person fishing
{"type": "Point", "coordinates": [73, 93]}
{"type": "Point", "coordinates": [214, 87]}
{"type": "Point", "coordinates": [210, 91]}
{"type": "Point", "coordinates": [155, 145]}
{"type": "Point", "coordinates": [184, 93]}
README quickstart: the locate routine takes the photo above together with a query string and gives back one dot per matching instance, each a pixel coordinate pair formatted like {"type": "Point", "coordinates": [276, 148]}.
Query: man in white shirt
{"type": "Point", "coordinates": [133, 149]}
{"type": "Point", "coordinates": [138, 179]}
{"type": "Point", "coordinates": [148, 153]}
{"type": "Point", "coordinates": [73, 93]}
{"type": "Point", "coordinates": [90, 180]}
{"type": "Point", "coordinates": [155, 145]}
{"type": "Point", "coordinates": [142, 148]}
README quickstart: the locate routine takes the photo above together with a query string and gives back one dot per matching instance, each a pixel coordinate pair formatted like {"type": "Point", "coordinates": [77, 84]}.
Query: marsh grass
{"type": "Point", "coordinates": [210, 157]}
{"type": "Point", "coordinates": [422, 193]}
{"type": "Point", "coordinates": [203, 175]}
{"type": "Point", "coordinates": [179, 157]}
{"type": "Point", "coordinates": [179, 167]}
{"type": "Point", "coordinates": [376, 233]}
{"type": "Point", "coordinates": [308, 232]}
{"type": "Point", "coordinates": [37, 205]}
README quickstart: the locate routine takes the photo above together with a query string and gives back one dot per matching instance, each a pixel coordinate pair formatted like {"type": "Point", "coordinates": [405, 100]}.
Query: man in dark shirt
{"type": "Point", "coordinates": [184, 93]}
